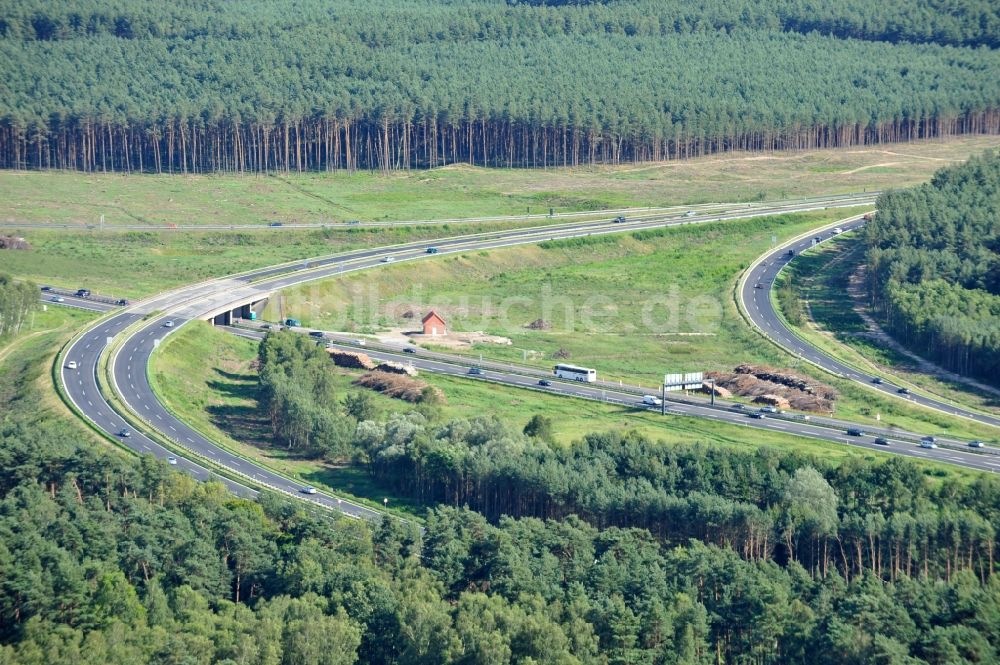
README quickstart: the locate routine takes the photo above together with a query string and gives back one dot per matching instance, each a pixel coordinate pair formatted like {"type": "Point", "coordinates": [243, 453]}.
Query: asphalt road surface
{"type": "Point", "coordinates": [146, 326]}
{"type": "Point", "coordinates": [759, 307]}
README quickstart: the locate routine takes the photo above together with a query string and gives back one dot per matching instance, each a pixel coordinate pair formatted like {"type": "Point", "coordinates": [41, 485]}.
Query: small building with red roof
{"type": "Point", "coordinates": [434, 324]}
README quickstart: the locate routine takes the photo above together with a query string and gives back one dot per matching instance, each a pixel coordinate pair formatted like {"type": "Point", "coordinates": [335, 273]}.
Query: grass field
{"type": "Point", "coordinates": [25, 361]}
{"type": "Point", "coordinates": [820, 277]}
{"type": "Point", "coordinates": [633, 307]}
{"type": "Point", "coordinates": [463, 191]}
{"type": "Point", "coordinates": [218, 398]}
{"type": "Point", "coordinates": [132, 264]}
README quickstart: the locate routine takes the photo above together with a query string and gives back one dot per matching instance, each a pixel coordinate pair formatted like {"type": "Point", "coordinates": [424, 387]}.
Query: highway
{"type": "Point", "coordinates": [755, 300]}
{"type": "Point", "coordinates": [135, 331]}
{"type": "Point", "coordinates": [830, 429]}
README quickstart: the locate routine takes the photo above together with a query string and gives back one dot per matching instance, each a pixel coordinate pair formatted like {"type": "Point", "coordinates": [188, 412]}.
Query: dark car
{"type": "Point", "coordinates": [83, 293]}
{"type": "Point", "coordinates": [432, 250]}
{"type": "Point", "coordinates": [619, 220]}
{"type": "Point", "coordinates": [855, 432]}
{"type": "Point", "coordinates": [903, 391]}
{"type": "Point", "coordinates": [46, 288]}
{"type": "Point", "coordinates": [266, 326]}
{"type": "Point", "coordinates": [410, 349]}
{"type": "Point", "coordinates": [756, 415]}
{"type": "Point", "coordinates": [790, 252]}
{"type": "Point", "coordinates": [758, 285]}
{"type": "Point", "coordinates": [882, 441]}
{"type": "Point", "coordinates": [877, 381]}
{"type": "Point", "coordinates": [124, 432]}
{"type": "Point", "coordinates": [275, 224]}
{"type": "Point", "coordinates": [316, 333]}
{"type": "Point", "coordinates": [544, 382]}
{"type": "Point", "coordinates": [738, 407]}
{"type": "Point", "coordinates": [475, 370]}
{"type": "Point", "coordinates": [122, 302]}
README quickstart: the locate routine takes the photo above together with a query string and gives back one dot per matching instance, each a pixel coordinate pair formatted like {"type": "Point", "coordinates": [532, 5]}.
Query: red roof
{"type": "Point", "coordinates": [431, 314]}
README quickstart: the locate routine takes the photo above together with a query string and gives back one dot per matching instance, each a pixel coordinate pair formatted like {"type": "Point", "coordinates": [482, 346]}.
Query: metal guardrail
{"type": "Point", "coordinates": [55, 290]}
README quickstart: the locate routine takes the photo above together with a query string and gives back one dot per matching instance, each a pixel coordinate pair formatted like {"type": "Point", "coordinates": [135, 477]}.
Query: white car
{"type": "Point", "coordinates": [71, 364]}
{"type": "Point", "coordinates": [168, 324]}
{"type": "Point", "coordinates": [838, 231]}
{"type": "Point", "coordinates": [927, 444]}
{"type": "Point", "coordinates": [57, 299]}
{"type": "Point", "coordinates": [360, 342]}
{"type": "Point", "coordinates": [689, 213]}
{"type": "Point", "coordinates": [388, 259]}
{"type": "Point", "coordinates": [172, 460]}
{"type": "Point", "coordinates": [309, 489]}
{"type": "Point", "coordinates": [652, 400]}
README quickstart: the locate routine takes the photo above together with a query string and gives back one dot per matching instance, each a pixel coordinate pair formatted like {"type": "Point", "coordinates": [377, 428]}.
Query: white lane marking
{"type": "Point", "coordinates": [89, 403]}
{"type": "Point", "coordinates": [173, 428]}
{"type": "Point", "coordinates": [189, 439]}
{"type": "Point", "coordinates": [158, 417]}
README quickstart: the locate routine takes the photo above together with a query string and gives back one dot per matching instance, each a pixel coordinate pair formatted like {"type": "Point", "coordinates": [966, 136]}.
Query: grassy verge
{"type": "Point", "coordinates": [26, 361]}
{"type": "Point", "coordinates": [633, 307]}
{"type": "Point", "coordinates": [139, 263]}
{"type": "Point", "coordinates": [820, 277]}
{"type": "Point", "coordinates": [205, 376]}
{"type": "Point", "coordinates": [463, 191]}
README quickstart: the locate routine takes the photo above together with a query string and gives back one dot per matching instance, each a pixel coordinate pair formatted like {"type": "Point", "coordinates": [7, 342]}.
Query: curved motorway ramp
{"type": "Point", "coordinates": [755, 298]}
{"type": "Point", "coordinates": [135, 332]}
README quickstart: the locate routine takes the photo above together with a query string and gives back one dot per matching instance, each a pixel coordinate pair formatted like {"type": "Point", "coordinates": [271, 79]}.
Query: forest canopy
{"type": "Point", "coordinates": [934, 266]}
{"type": "Point", "coordinates": [210, 85]}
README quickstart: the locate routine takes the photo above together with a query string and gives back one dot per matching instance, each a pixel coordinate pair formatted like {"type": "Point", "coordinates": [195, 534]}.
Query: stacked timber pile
{"type": "Point", "coordinates": [353, 359]}
{"type": "Point", "coordinates": [773, 400]}
{"type": "Point", "coordinates": [706, 387]}
{"type": "Point", "coordinates": [399, 386]}
{"type": "Point", "coordinates": [781, 388]}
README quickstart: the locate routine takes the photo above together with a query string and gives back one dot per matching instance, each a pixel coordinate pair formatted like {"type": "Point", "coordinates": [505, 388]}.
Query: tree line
{"type": "Point", "coordinates": [859, 518]}
{"type": "Point", "coordinates": [934, 266]}
{"type": "Point", "coordinates": [111, 559]}
{"type": "Point", "coordinates": [17, 300]}
{"type": "Point", "coordinates": [161, 87]}
{"type": "Point", "coordinates": [854, 519]}
{"type": "Point", "coordinates": [969, 23]}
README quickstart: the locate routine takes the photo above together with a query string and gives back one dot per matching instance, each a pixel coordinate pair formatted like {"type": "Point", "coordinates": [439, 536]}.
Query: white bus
{"type": "Point", "coordinates": [575, 373]}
